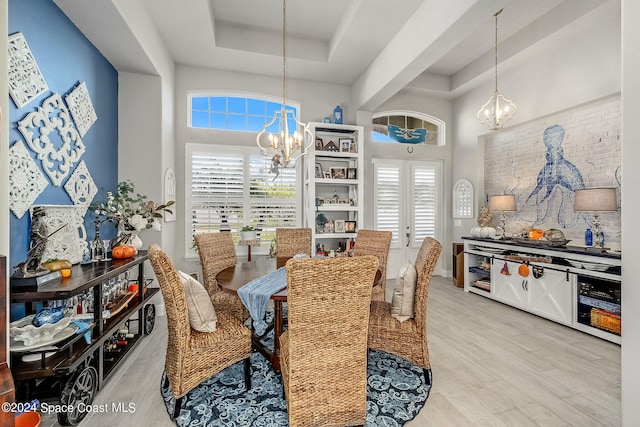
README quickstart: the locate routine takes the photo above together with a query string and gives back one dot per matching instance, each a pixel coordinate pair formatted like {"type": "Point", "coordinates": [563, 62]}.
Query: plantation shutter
{"type": "Point", "coordinates": [216, 191]}
{"type": "Point", "coordinates": [424, 200]}
{"type": "Point", "coordinates": [387, 199]}
{"type": "Point", "coordinates": [272, 200]}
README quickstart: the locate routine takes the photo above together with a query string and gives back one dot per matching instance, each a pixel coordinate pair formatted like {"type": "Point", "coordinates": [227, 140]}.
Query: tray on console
{"type": "Point", "coordinates": [541, 242]}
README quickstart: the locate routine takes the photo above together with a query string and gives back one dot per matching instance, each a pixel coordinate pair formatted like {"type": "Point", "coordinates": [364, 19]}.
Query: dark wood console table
{"type": "Point", "coordinates": [73, 355]}
{"type": "Point", "coordinates": [7, 391]}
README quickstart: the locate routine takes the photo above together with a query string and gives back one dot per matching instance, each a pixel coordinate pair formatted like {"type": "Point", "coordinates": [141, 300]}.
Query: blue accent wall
{"type": "Point", "coordinates": [66, 58]}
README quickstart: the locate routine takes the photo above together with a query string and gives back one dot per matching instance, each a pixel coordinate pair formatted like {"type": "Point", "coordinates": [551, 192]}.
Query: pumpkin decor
{"type": "Point", "coordinates": [535, 233]}
{"type": "Point", "coordinates": [523, 270]}
{"type": "Point", "coordinates": [123, 251]}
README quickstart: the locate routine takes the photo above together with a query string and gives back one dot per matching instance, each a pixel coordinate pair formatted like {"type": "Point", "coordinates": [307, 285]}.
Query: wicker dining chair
{"type": "Point", "coordinates": [291, 242]}
{"type": "Point", "coordinates": [407, 339]}
{"type": "Point", "coordinates": [374, 242]}
{"type": "Point", "coordinates": [217, 252]}
{"type": "Point", "coordinates": [193, 356]}
{"type": "Point", "coordinates": [323, 354]}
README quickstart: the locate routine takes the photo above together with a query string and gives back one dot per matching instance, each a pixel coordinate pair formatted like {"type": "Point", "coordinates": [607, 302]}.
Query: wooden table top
{"type": "Point", "coordinates": [233, 278]}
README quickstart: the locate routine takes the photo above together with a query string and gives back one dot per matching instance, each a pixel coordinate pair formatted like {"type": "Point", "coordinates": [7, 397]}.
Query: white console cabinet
{"type": "Point", "coordinates": [548, 296]}
{"type": "Point", "coordinates": [571, 285]}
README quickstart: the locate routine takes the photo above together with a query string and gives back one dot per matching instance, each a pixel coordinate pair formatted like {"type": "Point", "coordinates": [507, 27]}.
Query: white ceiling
{"type": "Point", "coordinates": [442, 47]}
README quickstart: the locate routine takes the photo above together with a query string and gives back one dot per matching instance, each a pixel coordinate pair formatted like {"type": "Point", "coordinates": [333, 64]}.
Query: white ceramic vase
{"type": "Point", "coordinates": [135, 240]}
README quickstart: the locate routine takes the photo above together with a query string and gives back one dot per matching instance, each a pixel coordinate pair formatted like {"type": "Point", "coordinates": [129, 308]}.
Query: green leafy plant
{"type": "Point", "coordinates": [129, 210]}
{"type": "Point", "coordinates": [248, 228]}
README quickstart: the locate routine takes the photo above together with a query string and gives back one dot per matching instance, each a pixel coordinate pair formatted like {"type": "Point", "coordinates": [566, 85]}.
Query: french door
{"type": "Point", "coordinates": [407, 201]}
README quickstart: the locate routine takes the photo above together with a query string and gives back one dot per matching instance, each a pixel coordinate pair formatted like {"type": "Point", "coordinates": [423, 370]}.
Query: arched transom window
{"type": "Point", "coordinates": [407, 127]}
{"type": "Point", "coordinates": [235, 111]}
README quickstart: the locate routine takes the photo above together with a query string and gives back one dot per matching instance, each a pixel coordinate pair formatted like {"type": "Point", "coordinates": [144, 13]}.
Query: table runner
{"type": "Point", "coordinates": [255, 296]}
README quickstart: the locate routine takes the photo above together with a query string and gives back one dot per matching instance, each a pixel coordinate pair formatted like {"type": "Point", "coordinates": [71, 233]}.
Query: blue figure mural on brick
{"type": "Point", "coordinates": [557, 173]}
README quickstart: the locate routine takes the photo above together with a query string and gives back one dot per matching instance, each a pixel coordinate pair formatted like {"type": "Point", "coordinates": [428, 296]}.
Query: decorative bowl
{"type": "Point", "coordinates": [24, 330]}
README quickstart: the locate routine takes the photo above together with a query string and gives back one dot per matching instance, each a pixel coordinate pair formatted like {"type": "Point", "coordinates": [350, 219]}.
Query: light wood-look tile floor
{"type": "Point", "coordinates": [493, 365]}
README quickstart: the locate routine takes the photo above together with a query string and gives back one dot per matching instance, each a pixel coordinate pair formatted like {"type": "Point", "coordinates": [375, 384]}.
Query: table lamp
{"type": "Point", "coordinates": [595, 200]}
{"type": "Point", "coordinates": [502, 203]}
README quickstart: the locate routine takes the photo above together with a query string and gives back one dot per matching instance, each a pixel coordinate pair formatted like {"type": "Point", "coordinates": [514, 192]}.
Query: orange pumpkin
{"type": "Point", "coordinates": [123, 251]}
{"type": "Point", "coordinates": [535, 233]}
{"type": "Point", "coordinates": [523, 270]}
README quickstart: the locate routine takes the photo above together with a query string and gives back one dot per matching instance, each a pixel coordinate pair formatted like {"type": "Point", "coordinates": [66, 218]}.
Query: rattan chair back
{"type": "Point", "coordinates": [375, 242]}
{"type": "Point", "coordinates": [193, 356]}
{"type": "Point", "coordinates": [407, 339]}
{"type": "Point", "coordinates": [324, 351]}
{"type": "Point", "coordinates": [293, 241]}
{"type": "Point", "coordinates": [217, 252]}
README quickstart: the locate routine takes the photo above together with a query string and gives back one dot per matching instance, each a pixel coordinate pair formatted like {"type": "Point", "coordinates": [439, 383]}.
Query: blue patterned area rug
{"type": "Point", "coordinates": [396, 391]}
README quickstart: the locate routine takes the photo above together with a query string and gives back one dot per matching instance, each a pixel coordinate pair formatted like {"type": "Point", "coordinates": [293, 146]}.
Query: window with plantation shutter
{"type": "Point", "coordinates": [232, 187]}
{"type": "Point", "coordinates": [424, 201]}
{"type": "Point", "coordinates": [388, 199]}
{"type": "Point", "coordinates": [406, 199]}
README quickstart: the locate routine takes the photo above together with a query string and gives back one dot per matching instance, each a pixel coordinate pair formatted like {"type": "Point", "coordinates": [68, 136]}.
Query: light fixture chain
{"type": "Point", "coordinates": [284, 53]}
{"type": "Point", "coordinates": [495, 49]}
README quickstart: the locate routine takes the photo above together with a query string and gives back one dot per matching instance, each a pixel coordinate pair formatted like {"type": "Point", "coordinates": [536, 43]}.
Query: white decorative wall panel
{"type": "Point", "coordinates": [26, 82]}
{"type": "Point", "coordinates": [81, 188]}
{"type": "Point", "coordinates": [81, 108]}
{"type": "Point", "coordinates": [50, 133]}
{"type": "Point", "coordinates": [70, 242]}
{"type": "Point", "coordinates": [170, 194]}
{"type": "Point", "coordinates": [26, 181]}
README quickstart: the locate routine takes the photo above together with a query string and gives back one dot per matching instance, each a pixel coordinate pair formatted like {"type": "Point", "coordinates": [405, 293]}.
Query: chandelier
{"type": "Point", "coordinates": [283, 138]}
{"type": "Point", "coordinates": [498, 109]}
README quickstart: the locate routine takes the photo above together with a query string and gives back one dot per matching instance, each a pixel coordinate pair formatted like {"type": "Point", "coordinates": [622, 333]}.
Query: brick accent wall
{"type": "Point", "coordinates": [588, 155]}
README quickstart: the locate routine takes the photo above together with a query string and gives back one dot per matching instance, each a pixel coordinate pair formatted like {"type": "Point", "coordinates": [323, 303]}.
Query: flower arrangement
{"type": "Point", "coordinates": [130, 211]}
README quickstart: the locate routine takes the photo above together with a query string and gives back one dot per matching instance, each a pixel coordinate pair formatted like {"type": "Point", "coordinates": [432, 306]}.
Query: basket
{"type": "Point", "coordinates": [604, 320]}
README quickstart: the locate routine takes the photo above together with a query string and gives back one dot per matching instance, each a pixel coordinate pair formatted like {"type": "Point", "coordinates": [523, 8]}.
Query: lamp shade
{"type": "Point", "coordinates": [502, 203]}
{"type": "Point", "coordinates": [595, 199]}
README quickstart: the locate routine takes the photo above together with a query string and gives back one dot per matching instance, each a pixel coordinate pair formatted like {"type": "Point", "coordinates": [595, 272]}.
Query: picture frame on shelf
{"type": "Point", "coordinates": [352, 173]}
{"type": "Point", "coordinates": [349, 226]}
{"type": "Point", "coordinates": [353, 148]}
{"type": "Point", "coordinates": [329, 226]}
{"type": "Point", "coordinates": [319, 171]}
{"type": "Point", "coordinates": [345, 145]}
{"type": "Point", "coordinates": [330, 146]}
{"type": "Point", "coordinates": [319, 144]}
{"type": "Point", "coordinates": [339, 226]}
{"type": "Point", "coordinates": [338, 173]}
{"type": "Point", "coordinates": [326, 174]}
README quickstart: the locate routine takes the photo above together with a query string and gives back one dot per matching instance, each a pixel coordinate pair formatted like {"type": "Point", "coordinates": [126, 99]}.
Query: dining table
{"type": "Point", "coordinates": [231, 279]}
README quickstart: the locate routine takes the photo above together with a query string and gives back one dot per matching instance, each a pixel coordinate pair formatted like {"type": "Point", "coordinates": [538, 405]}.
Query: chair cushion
{"type": "Point", "coordinates": [404, 293]}
{"type": "Point", "coordinates": [202, 315]}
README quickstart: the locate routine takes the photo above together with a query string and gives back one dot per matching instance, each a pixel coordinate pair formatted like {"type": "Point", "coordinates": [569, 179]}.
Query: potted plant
{"type": "Point", "coordinates": [248, 233]}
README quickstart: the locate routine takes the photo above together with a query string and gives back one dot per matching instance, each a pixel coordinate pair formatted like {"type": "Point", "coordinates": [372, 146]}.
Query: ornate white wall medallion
{"type": "Point", "coordinates": [70, 241]}
{"type": "Point", "coordinates": [81, 108]}
{"type": "Point", "coordinates": [57, 155]}
{"type": "Point", "coordinates": [26, 181]}
{"type": "Point", "coordinates": [26, 82]}
{"type": "Point", "coordinates": [81, 188]}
